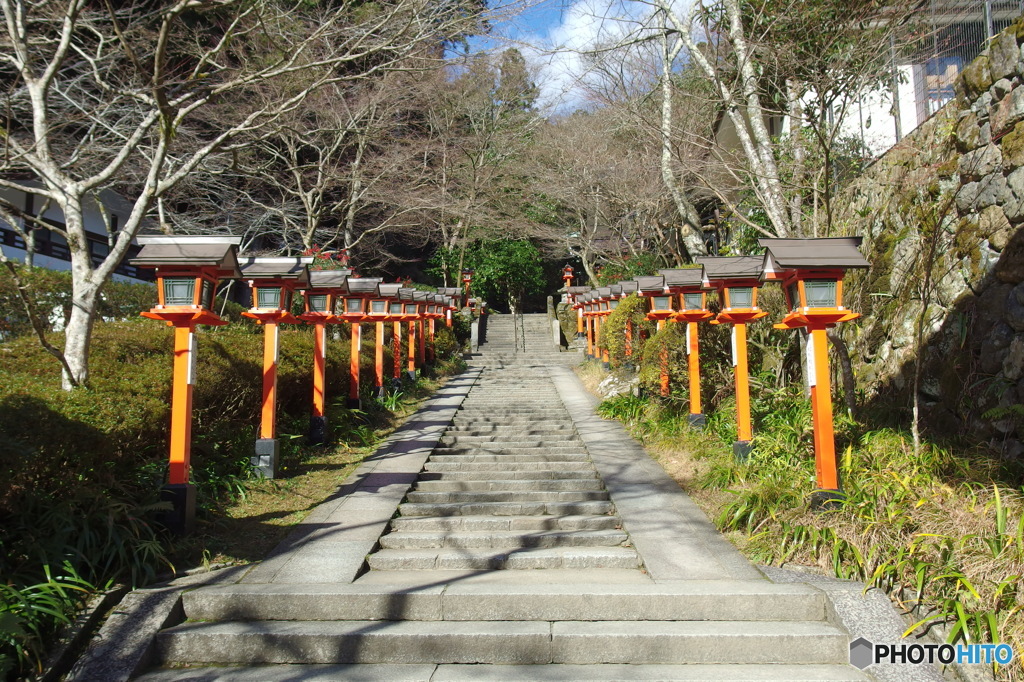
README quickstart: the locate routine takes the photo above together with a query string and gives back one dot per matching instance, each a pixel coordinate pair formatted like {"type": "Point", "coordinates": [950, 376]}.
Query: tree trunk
{"type": "Point", "coordinates": [846, 372]}
{"type": "Point", "coordinates": [85, 288]}
{"type": "Point", "coordinates": [689, 230]}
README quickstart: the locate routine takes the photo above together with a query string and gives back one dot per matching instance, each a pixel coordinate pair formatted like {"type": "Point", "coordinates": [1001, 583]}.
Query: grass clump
{"type": "Point", "coordinates": [941, 531]}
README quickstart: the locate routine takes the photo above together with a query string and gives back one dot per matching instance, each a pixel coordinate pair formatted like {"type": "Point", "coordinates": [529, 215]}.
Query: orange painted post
{"type": "Point", "coordinates": [378, 359]}
{"type": "Point", "coordinates": [693, 358]}
{"type": "Point", "coordinates": [411, 367]}
{"type": "Point", "coordinates": [181, 404]}
{"type": "Point", "coordinates": [268, 412]}
{"type": "Point", "coordinates": [629, 342]}
{"type": "Point", "coordinates": [579, 323]}
{"type": "Point", "coordinates": [421, 354]}
{"type": "Point", "coordinates": [744, 429]}
{"type": "Point", "coordinates": [430, 346]}
{"type": "Point", "coordinates": [318, 419]}
{"type": "Point", "coordinates": [821, 402]}
{"type": "Point", "coordinates": [590, 336]}
{"type": "Point", "coordinates": [355, 343]}
{"type": "Point", "coordinates": [396, 350]}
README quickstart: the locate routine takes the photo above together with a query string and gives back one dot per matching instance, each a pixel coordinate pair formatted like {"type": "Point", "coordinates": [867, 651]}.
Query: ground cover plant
{"type": "Point", "coordinates": [940, 530]}
{"type": "Point", "coordinates": [81, 470]}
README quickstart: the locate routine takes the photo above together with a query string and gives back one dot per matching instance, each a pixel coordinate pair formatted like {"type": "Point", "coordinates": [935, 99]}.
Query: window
{"type": "Point", "coordinates": [662, 303]}
{"type": "Point", "coordinates": [268, 297]}
{"type": "Point", "coordinates": [318, 303]}
{"type": "Point", "coordinates": [820, 293]}
{"type": "Point", "coordinates": [378, 306]}
{"type": "Point", "coordinates": [353, 305]}
{"type": "Point", "coordinates": [396, 309]}
{"type": "Point", "coordinates": [693, 301]}
{"type": "Point", "coordinates": [741, 297]}
{"type": "Point", "coordinates": [179, 290]}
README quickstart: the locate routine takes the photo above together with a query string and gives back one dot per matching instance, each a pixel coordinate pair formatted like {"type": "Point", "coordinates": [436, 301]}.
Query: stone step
{"type": "Point", "coordinates": [505, 496]}
{"type": "Point", "coordinates": [571, 452]}
{"type": "Point", "coordinates": [487, 421]}
{"type": "Point", "coordinates": [480, 455]}
{"type": "Point", "coordinates": [701, 600]}
{"type": "Point", "coordinates": [507, 442]}
{"type": "Point", "coordinates": [498, 430]}
{"type": "Point", "coordinates": [429, 672]}
{"type": "Point", "coordinates": [560, 485]}
{"type": "Point", "coordinates": [594, 508]}
{"type": "Point", "coordinates": [457, 464]}
{"type": "Point", "coordinates": [502, 559]}
{"type": "Point", "coordinates": [498, 523]}
{"type": "Point", "coordinates": [573, 642]}
{"type": "Point", "coordinates": [506, 475]}
{"type": "Point", "coordinates": [511, 539]}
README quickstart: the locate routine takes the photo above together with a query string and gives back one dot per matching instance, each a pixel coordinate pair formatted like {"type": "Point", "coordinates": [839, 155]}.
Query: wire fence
{"type": "Point", "coordinates": [947, 36]}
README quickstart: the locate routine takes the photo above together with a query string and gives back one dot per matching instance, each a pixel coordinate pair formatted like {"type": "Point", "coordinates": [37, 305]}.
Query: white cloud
{"type": "Point", "coordinates": [562, 53]}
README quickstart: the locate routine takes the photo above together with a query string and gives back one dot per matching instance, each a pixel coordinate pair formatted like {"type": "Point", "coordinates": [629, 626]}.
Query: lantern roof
{"type": "Point", "coordinates": [654, 284]}
{"type": "Point", "coordinates": [419, 296]}
{"type": "Point", "coordinates": [829, 253]}
{"type": "Point", "coordinates": [328, 279]}
{"type": "Point", "coordinates": [575, 291]}
{"type": "Point", "coordinates": [389, 290]}
{"type": "Point", "coordinates": [604, 292]}
{"type": "Point", "coordinates": [406, 294]}
{"type": "Point", "coordinates": [628, 286]}
{"type": "Point", "coordinates": [363, 285]}
{"type": "Point", "coordinates": [295, 268]}
{"type": "Point", "coordinates": [190, 250]}
{"type": "Point", "coordinates": [682, 277]}
{"type": "Point", "coordinates": [731, 267]}
{"type": "Point", "coordinates": [450, 291]}
{"type": "Point", "coordinates": [615, 289]}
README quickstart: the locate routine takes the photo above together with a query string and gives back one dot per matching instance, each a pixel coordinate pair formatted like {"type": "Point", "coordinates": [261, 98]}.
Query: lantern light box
{"type": "Point", "coordinates": [188, 268]}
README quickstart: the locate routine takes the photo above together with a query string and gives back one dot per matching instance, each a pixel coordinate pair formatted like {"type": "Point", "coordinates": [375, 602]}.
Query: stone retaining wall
{"type": "Point", "coordinates": [950, 199]}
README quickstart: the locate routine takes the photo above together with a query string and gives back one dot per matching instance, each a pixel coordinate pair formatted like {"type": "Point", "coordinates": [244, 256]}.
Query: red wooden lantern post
{"type": "Point", "coordinates": [380, 313]}
{"type": "Point", "coordinates": [467, 280]}
{"type": "Point", "coordinates": [687, 284]}
{"type": "Point", "coordinates": [187, 271]}
{"type": "Point", "coordinates": [811, 273]}
{"type": "Point", "coordinates": [422, 300]}
{"type": "Point", "coordinates": [626, 289]}
{"type": "Point", "coordinates": [660, 309]}
{"type": "Point", "coordinates": [576, 301]}
{"type": "Point", "coordinates": [410, 313]}
{"type": "Point", "coordinates": [737, 280]}
{"type": "Point", "coordinates": [320, 300]}
{"type": "Point", "coordinates": [452, 305]}
{"type": "Point", "coordinates": [605, 301]}
{"type": "Point", "coordinates": [355, 304]}
{"type": "Point", "coordinates": [272, 283]}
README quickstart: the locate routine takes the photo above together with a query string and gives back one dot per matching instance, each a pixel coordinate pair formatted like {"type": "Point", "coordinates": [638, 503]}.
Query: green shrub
{"type": "Point", "coordinates": [632, 309]}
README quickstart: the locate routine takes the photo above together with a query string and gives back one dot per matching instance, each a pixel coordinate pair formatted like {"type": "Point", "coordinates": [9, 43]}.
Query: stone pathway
{"type": "Point", "coordinates": [506, 533]}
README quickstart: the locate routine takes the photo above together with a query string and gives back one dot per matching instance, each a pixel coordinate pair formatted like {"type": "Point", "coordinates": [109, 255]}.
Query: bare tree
{"type": "Point", "coordinates": [98, 94]}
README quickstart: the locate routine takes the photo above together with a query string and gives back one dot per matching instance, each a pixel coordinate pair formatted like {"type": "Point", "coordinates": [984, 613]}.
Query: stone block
{"type": "Point", "coordinates": [966, 132]}
{"type": "Point", "coordinates": [1004, 115]}
{"type": "Point", "coordinates": [1013, 363]}
{"type": "Point", "coordinates": [1003, 55]}
{"type": "Point", "coordinates": [977, 77]}
{"type": "Point", "coordinates": [981, 162]}
{"type": "Point", "coordinates": [266, 455]}
{"type": "Point", "coordinates": [1000, 89]}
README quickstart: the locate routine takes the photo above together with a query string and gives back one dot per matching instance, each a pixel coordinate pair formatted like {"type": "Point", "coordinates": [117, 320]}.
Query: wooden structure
{"type": "Point", "coordinates": [272, 284]}
{"type": "Point", "coordinates": [188, 269]}
{"type": "Point", "coordinates": [737, 280]}
{"type": "Point", "coordinates": [687, 285]}
{"type": "Point", "coordinates": [320, 301]}
{"type": "Point", "coordinates": [811, 273]}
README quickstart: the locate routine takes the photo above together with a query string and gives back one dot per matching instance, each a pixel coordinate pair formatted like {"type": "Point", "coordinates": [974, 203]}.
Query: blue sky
{"type": "Point", "coordinates": [555, 37]}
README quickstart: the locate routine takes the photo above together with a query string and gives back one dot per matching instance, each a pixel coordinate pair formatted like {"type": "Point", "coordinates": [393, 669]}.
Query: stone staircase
{"type": "Point", "coordinates": [520, 553]}
{"type": "Point", "coordinates": [515, 340]}
{"type": "Point", "coordinates": [510, 486]}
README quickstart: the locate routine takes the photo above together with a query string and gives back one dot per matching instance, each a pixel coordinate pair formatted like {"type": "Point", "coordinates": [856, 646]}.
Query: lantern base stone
{"type": "Point", "coordinates": [317, 431]}
{"type": "Point", "coordinates": [827, 500]}
{"type": "Point", "coordinates": [741, 450]}
{"type": "Point", "coordinates": [265, 457]}
{"type": "Point", "coordinates": [379, 392]}
{"type": "Point", "coordinates": [180, 519]}
{"type": "Point", "coordinates": [697, 420]}
{"type": "Point", "coordinates": [354, 403]}
{"type": "Point", "coordinates": [411, 374]}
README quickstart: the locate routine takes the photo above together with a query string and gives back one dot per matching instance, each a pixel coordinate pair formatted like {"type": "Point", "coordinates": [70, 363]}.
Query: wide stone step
{"type": "Point", "coordinates": [499, 430]}
{"type": "Point", "coordinates": [503, 673]}
{"type": "Point", "coordinates": [476, 455]}
{"type": "Point", "coordinates": [553, 485]}
{"type": "Point", "coordinates": [700, 600]}
{"type": "Point", "coordinates": [456, 464]}
{"type": "Point", "coordinates": [502, 559]}
{"type": "Point", "coordinates": [500, 523]}
{"type": "Point", "coordinates": [594, 508]}
{"type": "Point", "coordinates": [575, 450]}
{"type": "Point", "coordinates": [505, 475]}
{"type": "Point", "coordinates": [502, 539]}
{"type": "Point", "coordinates": [503, 642]}
{"type": "Point", "coordinates": [506, 496]}
{"type": "Point", "coordinates": [507, 442]}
